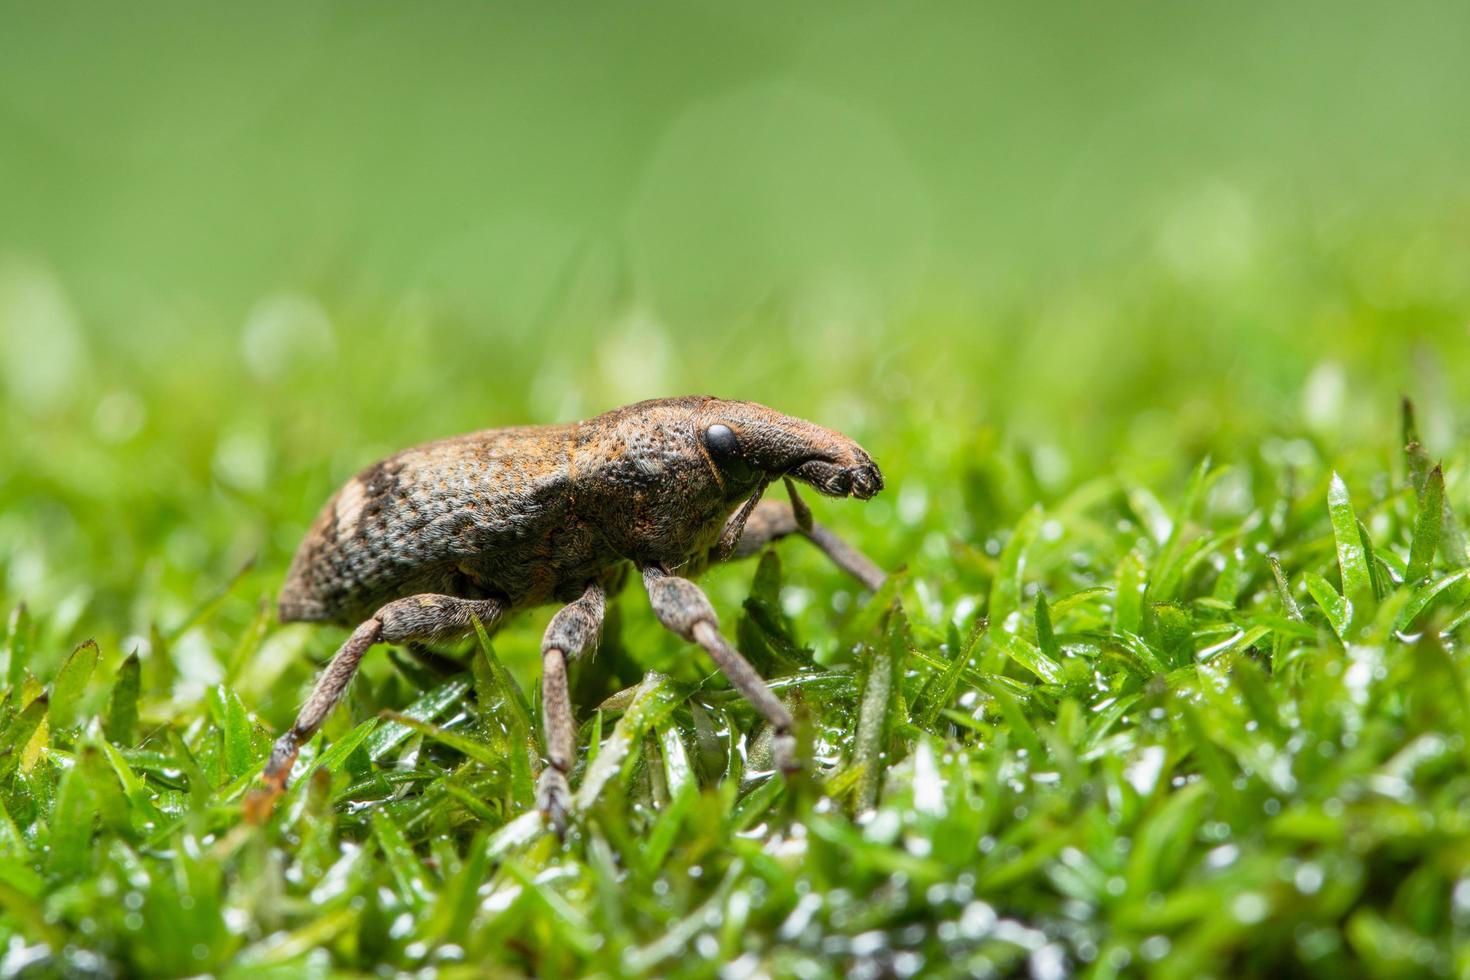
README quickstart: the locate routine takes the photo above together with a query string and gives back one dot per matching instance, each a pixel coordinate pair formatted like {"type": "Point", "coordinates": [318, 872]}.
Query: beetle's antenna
{"type": "Point", "coordinates": [730, 536]}
{"type": "Point", "coordinates": [798, 507]}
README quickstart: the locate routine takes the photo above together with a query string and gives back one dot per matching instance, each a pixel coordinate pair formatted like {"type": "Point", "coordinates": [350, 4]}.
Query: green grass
{"type": "Point", "coordinates": [1209, 723]}
{"type": "Point", "coordinates": [1170, 678]}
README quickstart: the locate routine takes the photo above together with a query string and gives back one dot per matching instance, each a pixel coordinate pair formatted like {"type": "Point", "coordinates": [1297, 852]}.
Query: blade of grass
{"type": "Point", "coordinates": [1167, 571]}
{"type": "Point", "coordinates": [472, 748]}
{"type": "Point", "coordinates": [873, 711]}
{"type": "Point", "coordinates": [18, 644]}
{"type": "Point", "coordinates": [405, 865]}
{"type": "Point", "coordinates": [430, 706]}
{"type": "Point", "coordinates": [1333, 606]}
{"type": "Point", "coordinates": [1283, 590]}
{"type": "Point", "coordinates": [1427, 527]}
{"type": "Point", "coordinates": [514, 698]}
{"type": "Point", "coordinates": [1352, 560]}
{"type": "Point", "coordinates": [1132, 581]}
{"type": "Point", "coordinates": [68, 852]}
{"type": "Point", "coordinates": [939, 698]}
{"type": "Point", "coordinates": [71, 685]}
{"type": "Point", "coordinates": [1046, 637]}
{"type": "Point", "coordinates": [656, 696]}
{"type": "Point", "coordinates": [1010, 573]}
{"type": "Point", "coordinates": [121, 724]}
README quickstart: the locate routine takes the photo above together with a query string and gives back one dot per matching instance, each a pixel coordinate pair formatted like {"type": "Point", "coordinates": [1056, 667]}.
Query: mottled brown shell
{"type": "Point", "coordinates": [531, 515]}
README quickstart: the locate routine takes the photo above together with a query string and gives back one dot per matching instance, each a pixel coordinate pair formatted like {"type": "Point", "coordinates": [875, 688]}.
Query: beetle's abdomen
{"type": "Point", "coordinates": [473, 517]}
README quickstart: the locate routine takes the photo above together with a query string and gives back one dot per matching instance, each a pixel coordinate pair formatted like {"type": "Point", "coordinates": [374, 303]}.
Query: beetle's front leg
{"type": "Point", "coordinates": [683, 608]}
{"type": "Point", "coordinates": [772, 520]}
{"type": "Point", "coordinates": [573, 631]}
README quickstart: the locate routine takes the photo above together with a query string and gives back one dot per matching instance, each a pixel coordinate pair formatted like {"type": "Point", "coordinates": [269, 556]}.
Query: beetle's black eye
{"type": "Point", "coordinates": [724, 449]}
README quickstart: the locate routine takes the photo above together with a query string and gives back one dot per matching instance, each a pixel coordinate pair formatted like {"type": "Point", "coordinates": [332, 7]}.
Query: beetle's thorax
{"type": "Point", "coordinates": [638, 475]}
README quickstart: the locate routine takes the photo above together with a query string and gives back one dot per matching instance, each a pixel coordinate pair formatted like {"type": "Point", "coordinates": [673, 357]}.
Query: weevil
{"type": "Point", "coordinates": [417, 546]}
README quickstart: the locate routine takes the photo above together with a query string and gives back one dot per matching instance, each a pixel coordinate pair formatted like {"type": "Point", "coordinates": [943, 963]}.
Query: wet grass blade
{"type": "Point", "coordinates": [388, 737]}
{"type": "Point", "coordinates": [70, 685]}
{"type": "Point", "coordinates": [505, 685]}
{"type": "Point", "coordinates": [500, 697]}
{"type": "Point", "coordinates": [873, 712]}
{"type": "Point", "coordinates": [1333, 606]}
{"type": "Point", "coordinates": [1375, 567]}
{"type": "Point", "coordinates": [655, 698]}
{"type": "Point", "coordinates": [1132, 581]}
{"type": "Point", "coordinates": [19, 733]}
{"type": "Point", "coordinates": [1046, 637]}
{"type": "Point", "coordinates": [235, 732]}
{"type": "Point", "coordinates": [1047, 670]}
{"type": "Point", "coordinates": [471, 748]}
{"type": "Point", "coordinates": [1167, 570]}
{"type": "Point", "coordinates": [1283, 590]}
{"type": "Point", "coordinates": [405, 865]}
{"type": "Point", "coordinates": [1427, 527]}
{"type": "Point", "coordinates": [1352, 559]}
{"type": "Point", "coordinates": [1005, 588]}
{"type": "Point", "coordinates": [69, 850]}
{"type": "Point", "coordinates": [1426, 594]}
{"type": "Point", "coordinates": [942, 692]}
{"type": "Point", "coordinates": [121, 724]}
{"type": "Point", "coordinates": [20, 638]}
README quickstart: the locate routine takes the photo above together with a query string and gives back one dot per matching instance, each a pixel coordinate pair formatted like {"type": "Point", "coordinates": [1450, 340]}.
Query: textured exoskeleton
{"type": "Point", "coordinates": [417, 545]}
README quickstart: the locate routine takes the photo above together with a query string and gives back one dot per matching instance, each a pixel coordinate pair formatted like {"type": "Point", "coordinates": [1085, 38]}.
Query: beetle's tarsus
{"type": "Point", "coordinates": [554, 799]}
{"type": "Point", "coordinates": [261, 801]}
{"type": "Point", "coordinates": [572, 632]}
{"type": "Point", "coordinates": [783, 752]}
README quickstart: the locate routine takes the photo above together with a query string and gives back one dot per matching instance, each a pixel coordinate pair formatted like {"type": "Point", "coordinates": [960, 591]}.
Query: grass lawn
{"type": "Point", "coordinates": [1168, 678]}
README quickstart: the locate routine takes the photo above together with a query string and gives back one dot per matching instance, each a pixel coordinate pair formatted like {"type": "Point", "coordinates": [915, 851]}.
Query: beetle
{"type": "Point", "coordinates": [419, 545]}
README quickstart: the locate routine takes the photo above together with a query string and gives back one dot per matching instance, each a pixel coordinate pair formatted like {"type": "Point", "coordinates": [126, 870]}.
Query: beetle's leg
{"type": "Point", "coordinates": [683, 608]}
{"type": "Point", "coordinates": [775, 519]}
{"type": "Point", "coordinates": [419, 617]}
{"type": "Point", "coordinates": [573, 631]}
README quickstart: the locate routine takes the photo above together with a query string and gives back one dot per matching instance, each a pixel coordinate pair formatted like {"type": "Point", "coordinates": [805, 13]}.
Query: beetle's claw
{"type": "Point", "coordinates": [783, 750]}
{"type": "Point", "coordinates": [554, 799]}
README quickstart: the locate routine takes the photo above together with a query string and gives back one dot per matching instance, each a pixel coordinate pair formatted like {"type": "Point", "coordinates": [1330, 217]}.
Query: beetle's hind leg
{"type": "Point", "coordinates": [574, 630]}
{"type": "Point", "coordinates": [683, 608]}
{"type": "Point", "coordinates": [418, 617]}
{"type": "Point", "coordinates": [775, 519]}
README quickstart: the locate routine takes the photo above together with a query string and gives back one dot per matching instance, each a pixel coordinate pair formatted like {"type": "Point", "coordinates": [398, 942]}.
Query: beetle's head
{"type": "Point", "coordinates": [746, 444]}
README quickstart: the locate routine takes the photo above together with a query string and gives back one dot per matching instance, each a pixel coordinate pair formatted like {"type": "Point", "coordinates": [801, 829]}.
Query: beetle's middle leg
{"type": "Point", "coordinates": [683, 608]}
{"type": "Point", "coordinates": [573, 631]}
{"type": "Point", "coordinates": [418, 617]}
{"type": "Point", "coordinates": [775, 519]}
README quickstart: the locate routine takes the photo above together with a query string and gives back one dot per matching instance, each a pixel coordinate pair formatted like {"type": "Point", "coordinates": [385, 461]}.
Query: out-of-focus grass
{"type": "Point", "coordinates": [1215, 723]}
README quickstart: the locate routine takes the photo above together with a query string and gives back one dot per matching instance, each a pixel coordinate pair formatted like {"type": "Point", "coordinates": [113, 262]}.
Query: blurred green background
{"type": "Point", "coordinates": [243, 251]}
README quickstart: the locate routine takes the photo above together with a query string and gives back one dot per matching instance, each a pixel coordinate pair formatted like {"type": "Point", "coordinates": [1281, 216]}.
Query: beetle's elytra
{"type": "Point", "coordinates": [415, 546]}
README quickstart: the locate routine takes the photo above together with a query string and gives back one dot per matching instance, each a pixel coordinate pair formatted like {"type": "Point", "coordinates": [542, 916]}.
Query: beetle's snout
{"type": "Point", "coordinates": [866, 480]}
{"type": "Point", "coordinates": [862, 480]}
